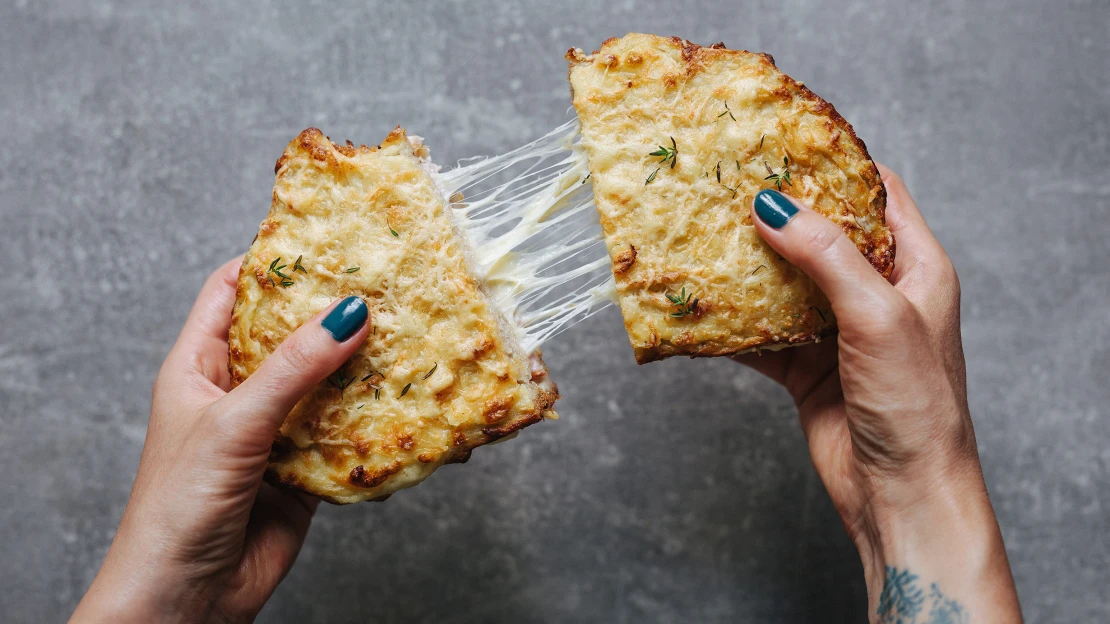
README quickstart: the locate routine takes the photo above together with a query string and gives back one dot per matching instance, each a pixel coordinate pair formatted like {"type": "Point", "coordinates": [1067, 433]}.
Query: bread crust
{"type": "Point", "coordinates": [438, 376]}
{"type": "Point", "coordinates": [733, 115]}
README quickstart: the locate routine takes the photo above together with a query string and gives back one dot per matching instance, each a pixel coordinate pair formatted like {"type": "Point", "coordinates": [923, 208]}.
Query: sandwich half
{"type": "Point", "coordinates": [680, 138]}
{"type": "Point", "coordinates": [441, 371]}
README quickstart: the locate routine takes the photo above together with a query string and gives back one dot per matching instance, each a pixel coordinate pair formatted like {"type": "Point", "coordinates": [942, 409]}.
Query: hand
{"type": "Point", "coordinates": [884, 411]}
{"type": "Point", "coordinates": [202, 538]}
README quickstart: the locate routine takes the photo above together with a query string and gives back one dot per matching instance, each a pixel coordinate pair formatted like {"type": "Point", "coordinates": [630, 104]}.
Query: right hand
{"type": "Point", "coordinates": [884, 411]}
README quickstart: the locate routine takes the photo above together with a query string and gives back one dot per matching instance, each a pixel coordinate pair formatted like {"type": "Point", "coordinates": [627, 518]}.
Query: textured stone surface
{"type": "Point", "coordinates": [138, 152]}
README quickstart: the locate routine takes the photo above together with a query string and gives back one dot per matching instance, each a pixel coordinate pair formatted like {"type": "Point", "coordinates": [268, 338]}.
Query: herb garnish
{"type": "Point", "coordinates": [405, 390]}
{"type": "Point", "coordinates": [391, 230]}
{"type": "Point", "coordinates": [587, 177]}
{"type": "Point", "coordinates": [779, 178]}
{"type": "Point", "coordinates": [732, 190]}
{"type": "Point", "coordinates": [275, 268]}
{"type": "Point", "coordinates": [297, 265]}
{"type": "Point", "coordinates": [761, 141]}
{"type": "Point", "coordinates": [340, 380]}
{"type": "Point", "coordinates": [758, 268]}
{"type": "Point", "coordinates": [434, 367]}
{"type": "Point", "coordinates": [351, 270]}
{"type": "Point", "coordinates": [667, 154]}
{"type": "Point", "coordinates": [686, 304]}
{"type": "Point", "coordinates": [651, 177]}
{"type": "Point", "coordinates": [727, 112]}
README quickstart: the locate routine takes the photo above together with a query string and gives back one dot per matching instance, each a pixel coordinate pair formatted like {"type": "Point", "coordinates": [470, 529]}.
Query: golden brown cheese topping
{"type": "Point", "coordinates": [680, 138]}
{"type": "Point", "coordinates": [439, 373]}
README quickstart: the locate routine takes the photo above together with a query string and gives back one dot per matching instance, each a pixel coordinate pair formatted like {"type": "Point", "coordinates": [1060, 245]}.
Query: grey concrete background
{"type": "Point", "coordinates": [138, 144]}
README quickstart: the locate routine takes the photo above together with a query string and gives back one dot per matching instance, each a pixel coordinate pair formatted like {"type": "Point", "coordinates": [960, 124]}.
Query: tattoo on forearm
{"type": "Point", "coordinates": [903, 600]}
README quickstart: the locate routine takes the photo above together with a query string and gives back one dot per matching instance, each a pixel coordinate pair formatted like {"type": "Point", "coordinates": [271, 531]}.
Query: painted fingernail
{"type": "Point", "coordinates": [774, 208]}
{"type": "Point", "coordinates": [346, 318]}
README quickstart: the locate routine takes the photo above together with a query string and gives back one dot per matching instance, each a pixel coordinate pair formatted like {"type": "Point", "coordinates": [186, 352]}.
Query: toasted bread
{"type": "Point", "coordinates": [680, 138]}
{"type": "Point", "coordinates": [439, 374]}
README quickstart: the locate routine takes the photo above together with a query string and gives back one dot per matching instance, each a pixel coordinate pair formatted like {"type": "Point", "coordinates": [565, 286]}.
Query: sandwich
{"type": "Point", "coordinates": [679, 139]}
{"type": "Point", "coordinates": [441, 372]}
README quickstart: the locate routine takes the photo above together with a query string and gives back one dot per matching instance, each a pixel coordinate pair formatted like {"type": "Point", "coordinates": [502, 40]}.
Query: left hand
{"type": "Point", "coordinates": [202, 538]}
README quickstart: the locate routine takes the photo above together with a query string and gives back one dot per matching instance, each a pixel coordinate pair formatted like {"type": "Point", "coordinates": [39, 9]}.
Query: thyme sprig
{"type": "Point", "coordinates": [783, 176]}
{"type": "Point", "coordinates": [667, 154]}
{"type": "Point", "coordinates": [685, 304]}
{"type": "Point", "coordinates": [275, 268]}
{"type": "Point", "coordinates": [340, 380]}
{"type": "Point", "coordinates": [727, 112]}
{"type": "Point", "coordinates": [297, 266]}
{"type": "Point", "coordinates": [732, 190]}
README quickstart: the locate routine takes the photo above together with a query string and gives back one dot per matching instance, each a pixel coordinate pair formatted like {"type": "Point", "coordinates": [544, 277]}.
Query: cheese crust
{"type": "Point", "coordinates": [438, 375]}
{"type": "Point", "coordinates": [684, 222]}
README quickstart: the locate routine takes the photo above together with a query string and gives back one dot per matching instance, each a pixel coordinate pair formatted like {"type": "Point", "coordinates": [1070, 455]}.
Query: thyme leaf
{"type": "Point", "coordinates": [783, 176]}
{"type": "Point", "coordinates": [405, 390]}
{"type": "Point", "coordinates": [351, 270]}
{"type": "Point", "coordinates": [340, 380]}
{"type": "Point", "coordinates": [685, 304]}
{"type": "Point", "coordinates": [651, 177]}
{"type": "Point", "coordinates": [667, 154]}
{"type": "Point", "coordinates": [276, 269]}
{"type": "Point", "coordinates": [298, 267]}
{"type": "Point", "coordinates": [434, 367]}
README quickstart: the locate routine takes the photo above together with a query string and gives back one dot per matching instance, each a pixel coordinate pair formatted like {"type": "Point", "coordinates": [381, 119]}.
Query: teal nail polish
{"type": "Point", "coordinates": [346, 318]}
{"type": "Point", "coordinates": [773, 208]}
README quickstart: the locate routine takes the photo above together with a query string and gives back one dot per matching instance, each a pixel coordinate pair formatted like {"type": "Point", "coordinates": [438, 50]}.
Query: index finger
{"type": "Point", "coordinates": [202, 344]}
{"type": "Point", "coordinates": [917, 246]}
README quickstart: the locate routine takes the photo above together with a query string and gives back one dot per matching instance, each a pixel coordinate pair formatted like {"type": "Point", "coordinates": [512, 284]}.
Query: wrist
{"type": "Point", "coordinates": [133, 586]}
{"type": "Point", "coordinates": [941, 533]}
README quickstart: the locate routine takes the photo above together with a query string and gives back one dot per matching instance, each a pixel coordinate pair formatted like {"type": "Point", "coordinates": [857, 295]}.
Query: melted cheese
{"type": "Point", "coordinates": [532, 225]}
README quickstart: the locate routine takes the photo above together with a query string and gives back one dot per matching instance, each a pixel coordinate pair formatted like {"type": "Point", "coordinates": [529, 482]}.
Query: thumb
{"type": "Point", "coordinates": [253, 411]}
{"type": "Point", "coordinates": [822, 251]}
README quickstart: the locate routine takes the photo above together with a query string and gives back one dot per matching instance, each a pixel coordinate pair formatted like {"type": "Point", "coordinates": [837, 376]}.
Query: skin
{"type": "Point", "coordinates": [202, 538]}
{"type": "Point", "coordinates": [884, 410]}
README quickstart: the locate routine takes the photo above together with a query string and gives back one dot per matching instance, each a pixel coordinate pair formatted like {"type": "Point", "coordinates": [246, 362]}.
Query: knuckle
{"type": "Point", "coordinates": [891, 314]}
{"type": "Point", "coordinates": [297, 355]}
{"type": "Point", "coordinates": [892, 179]}
{"type": "Point", "coordinates": [820, 241]}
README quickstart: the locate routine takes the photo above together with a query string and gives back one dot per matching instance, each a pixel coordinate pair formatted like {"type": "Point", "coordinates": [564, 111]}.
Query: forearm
{"type": "Point", "coordinates": [132, 587]}
{"type": "Point", "coordinates": [939, 559]}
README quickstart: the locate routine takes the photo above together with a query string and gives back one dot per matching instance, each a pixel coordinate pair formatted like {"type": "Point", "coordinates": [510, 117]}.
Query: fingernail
{"type": "Point", "coordinates": [774, 208]}
{"type": "Point", "coordinates": [346, 318]}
